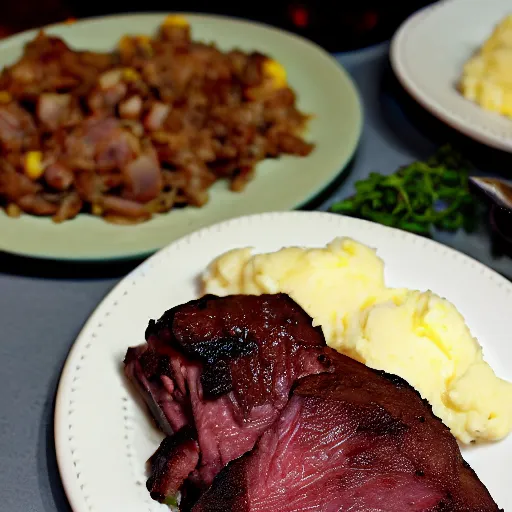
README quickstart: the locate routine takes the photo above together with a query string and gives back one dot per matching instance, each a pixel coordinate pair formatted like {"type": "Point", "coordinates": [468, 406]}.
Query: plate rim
{"type": "Point", "coordinates": [75, 495]}
{"type": "Point", "coordinates": [351, 142]}
{"type": "Point", "coordinates": [453, 120]}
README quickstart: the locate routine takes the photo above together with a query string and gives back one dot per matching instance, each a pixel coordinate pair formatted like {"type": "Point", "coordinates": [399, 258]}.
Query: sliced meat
{"type": "Point", "coordinates": [102, 144]}
{"type": "Point", "coordinates": [356, 440]}
{"type": "Point", "coordinates": [17, 129]}
{"type": "Point", "coordinates": [116, 150]}
{"type": "Point", "coordinates": [171, 464]}
{"type": "Point", "coordinates": [82, 143]}
{"type": "Point", "coordinates": [224, 366]}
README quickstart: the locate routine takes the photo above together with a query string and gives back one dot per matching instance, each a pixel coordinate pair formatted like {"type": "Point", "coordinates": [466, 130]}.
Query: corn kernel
{"type": "Point", "coordinates": [125, 43]}
{"type": "Point", "coordinates": [176, 21]}
{"type": "Point", "coordinates": [143, 39]}
{"type": "Point", "coordinates": [34, 168]}
{"type": "Point", "coordinates": [5, 97]}
{"type": "Point", "coordinates": [13, 210]}
{"type": "Point", "coordinates": [128, 44]}
{"type": "Point", "coordinates": [97, 209]}
{"type": "Point", "coordinates": [145, 43]}
{"type": "Point", "coordinates": [130, 75]}
{"type": "Point", "coordinates": [274, 70]}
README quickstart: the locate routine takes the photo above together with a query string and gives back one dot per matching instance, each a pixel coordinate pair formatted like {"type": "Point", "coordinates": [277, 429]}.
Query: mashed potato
{"type": "Point", "coordinates": [416, 335]}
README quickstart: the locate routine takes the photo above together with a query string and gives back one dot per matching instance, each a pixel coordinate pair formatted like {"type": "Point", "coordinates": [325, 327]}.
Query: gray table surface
{"type": "Point", "coordinates": [43, 306]}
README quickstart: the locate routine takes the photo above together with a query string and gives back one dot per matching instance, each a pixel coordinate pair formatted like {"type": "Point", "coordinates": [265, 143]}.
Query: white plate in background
{"type": "Point", "coordinates": [428, 53]}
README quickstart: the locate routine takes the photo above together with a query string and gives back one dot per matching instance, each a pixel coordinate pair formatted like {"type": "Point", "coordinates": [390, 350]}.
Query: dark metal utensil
{"type": "Point", "coordinates": [499, 193]}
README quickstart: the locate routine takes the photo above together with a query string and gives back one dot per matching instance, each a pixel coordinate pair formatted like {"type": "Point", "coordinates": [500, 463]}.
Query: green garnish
{"type": "Point", "coordinates": [417, 197]}
{"type": "Point", "coordinates": [171, 501]}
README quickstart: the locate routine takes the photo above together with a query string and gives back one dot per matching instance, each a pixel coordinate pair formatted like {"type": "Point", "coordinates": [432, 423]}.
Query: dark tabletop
{"type": "Point", "coordinates": [43, 306]}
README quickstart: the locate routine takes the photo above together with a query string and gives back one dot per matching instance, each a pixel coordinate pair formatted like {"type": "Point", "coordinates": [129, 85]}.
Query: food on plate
{"type": "Point", "coordinates": [328, 283]}
{"type": "Point", "coordinates": [223, 374]}
{"type": "Point", "coordinates": [354, 439]}
{"type": "Point", "coordinates": [222, 367]}
{"type": "Point", "coordinates": [487, 76]}
{"type": "Point", "coordinates": [145, 128]}
{"type": "Point", "coordinates": [424, 339]}
{"type": "Point", "coordinates": [417, 197]}
{"type": "Point", "coordinates": [417, 335]}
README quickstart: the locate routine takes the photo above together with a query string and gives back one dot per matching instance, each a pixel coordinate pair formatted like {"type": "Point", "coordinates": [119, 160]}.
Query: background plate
{"type": "Point", "coordinates": [428, 53]}
{"type": "Point", "coordinates": [323, 88]}
{"type": "Point", "coordinates": [103, 436]}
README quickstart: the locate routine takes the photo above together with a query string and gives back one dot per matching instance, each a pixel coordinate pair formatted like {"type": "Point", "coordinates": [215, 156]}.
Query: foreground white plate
{"type": "Point", "coordinates": [428, 53]}
{"type": "Point", "coordinates": [102, 435]}
{"type": "Point", "coordinates": [323, 89]}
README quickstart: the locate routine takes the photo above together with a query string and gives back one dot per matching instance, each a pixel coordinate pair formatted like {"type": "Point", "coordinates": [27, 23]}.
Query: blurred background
{"type": "Point", "coordinates": [337, 26]}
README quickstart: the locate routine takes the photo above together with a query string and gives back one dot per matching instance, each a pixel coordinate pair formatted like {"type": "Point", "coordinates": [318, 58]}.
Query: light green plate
{"type": "Point", "coordinates": [323, 88]}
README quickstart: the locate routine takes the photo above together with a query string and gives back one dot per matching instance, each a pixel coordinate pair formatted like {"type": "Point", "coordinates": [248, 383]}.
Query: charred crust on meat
{"type": "Point", "coordinates": [190, 494]}
{"type": "Point", "coordinates": [394, 379]}
{"type": "Point", "coordinates": [233, 347]}
{"type": "Point", "coordinates": [381, 423]}
{"type": "Point", "coordinates": [216, 379]}
{"type": "Point", "coordinates": [403, 384]}
{"type": "Point", "coordinates": [133, 353]}
{"type": "Point", "coordinates": [446, 504]}
{"type": "Point", "coordinates": [202, 303]}
{"type": "Point", "coordinates": [231, 485]}
{"type": "Point", "coordinates": [151, 329]}
{"type": "Point", "coordinates": [322, 358]}
{"type": "Point", "coordinates": [168, 470]}
{"type": "Point", "coordinates": [154, 365]}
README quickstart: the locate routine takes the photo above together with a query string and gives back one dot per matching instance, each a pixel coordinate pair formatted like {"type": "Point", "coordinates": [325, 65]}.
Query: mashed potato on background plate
{"type": "Point", "coordinates": [416, 335]}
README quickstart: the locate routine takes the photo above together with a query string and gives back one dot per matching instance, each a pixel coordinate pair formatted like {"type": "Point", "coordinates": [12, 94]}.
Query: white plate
{"type": "Point", "coordinates": [428, 53]}
{"type": "Point", "coordinates": [323, 89]}
{"type": "Point", "coordinates": [103, 437]}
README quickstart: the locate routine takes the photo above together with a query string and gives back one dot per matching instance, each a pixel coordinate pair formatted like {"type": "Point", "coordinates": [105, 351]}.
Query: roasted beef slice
{"type": "Point", "coordinates": [221, 368]}
{"type": "Point", "coordinates": [354, 440]}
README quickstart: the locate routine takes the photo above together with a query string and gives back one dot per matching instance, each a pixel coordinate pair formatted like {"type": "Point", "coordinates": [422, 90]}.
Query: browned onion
{"type": "Point", "coordinates": [156, 116]}
{"type": "Point", "coordinates": [58, 176]}
{"type": "Point", "coordinates": [123, 207]}
{"type": "Point", "coordinates": [143, 178]}
{"type": "Point", "coordinates": [131, 108]}
{"type": "Point", "coordinates": [69, 208]}
{"type": "Point", "coordinates": [51, 108]}
{"type": "Point", "coordinates": [37, 205]}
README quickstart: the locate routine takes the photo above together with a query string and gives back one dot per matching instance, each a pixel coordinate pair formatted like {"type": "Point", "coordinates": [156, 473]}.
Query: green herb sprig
{"type": "Point", "coordinates": [171, 502]}
{"type": "Point", "coordinates": [417, 197]}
